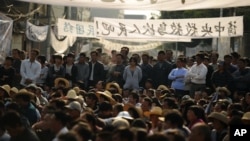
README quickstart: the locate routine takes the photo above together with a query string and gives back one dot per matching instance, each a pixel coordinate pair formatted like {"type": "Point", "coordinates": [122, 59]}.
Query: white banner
{"type": "Point", "coordinates": [75, 28]}
{"type": "Point", "coordinates": [36, 33]}
{"type": "Point", "coordinates": [164, 5]}
{"type": "Point", "coordinates": [88, 29]}
{"type": "Point", "coordinates": [109, 45]}
{"type": "Point", "coordinates": [169, 28]}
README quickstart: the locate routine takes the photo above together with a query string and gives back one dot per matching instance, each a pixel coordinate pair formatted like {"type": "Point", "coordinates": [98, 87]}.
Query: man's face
{"type": "Point", "coordinates": [161, 57]}
{"type": "Point", "coordinates": [145, 59]}
{"type": "Point", "coordinates": [198, 59]}
{"type": "Point", "coordinates": [168, 55]}
{"type": "Point", "coordinates": [81, 59]}
{"type": "Point", "coordinates": [15, 54]}
{"type": "Point", "coordinates": [33, 55]}
{"type": "Point", "coordinates": [70, 60]}
{"type": "Point", "coordinates": [93, 56]}
{"type": "Point", "coordinates": [227, 60]}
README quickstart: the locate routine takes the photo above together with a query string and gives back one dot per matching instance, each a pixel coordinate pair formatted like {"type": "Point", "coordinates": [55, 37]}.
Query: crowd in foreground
{"type": "Point", "coordinates": [121, 98]}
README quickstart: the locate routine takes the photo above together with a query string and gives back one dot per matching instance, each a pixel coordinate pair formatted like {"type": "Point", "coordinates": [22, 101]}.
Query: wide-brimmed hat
{"type": "Point", "coordinates": [107, 94]}
{"type": "Point", "coordinates": [14, 90]}
{"type": "Point", "coordinates": [223, 89]}
{"type": "Point", "coordinates": [162, 87]}
{"type": "Point", "coordinates": [60, 79]}
{"type": "Point", "coordinates": [246, 116]}
{"type": "Point", "coordinates": [219, 116]}
{"type": "Point", "coordinates": [77, 89]}
{"type": "Point", "coordinates": [6, 89]}
{"type": "Point", "coordinates": [125, 115]}
{"type": "Point", "coordinates": [114, 84]}
{"type": "Point", "coordinates": [155, 110]}
{"type": "Point", "coordinates": [71, 94]}
{"type": "Point", "coordinates": [74, 105]}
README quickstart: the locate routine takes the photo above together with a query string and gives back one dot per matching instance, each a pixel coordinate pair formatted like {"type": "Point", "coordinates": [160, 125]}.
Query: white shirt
{"type": "Point", "coordinates": [30, 70]}
{"type": "Point", "coordinates": [64, 130]}
{"type": "Point", "coordinates": [92, 72]}
{"type": "Point", "coordinates": [197, 74]}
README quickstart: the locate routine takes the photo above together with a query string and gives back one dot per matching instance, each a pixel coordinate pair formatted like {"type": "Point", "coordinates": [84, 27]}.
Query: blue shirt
{"type": "Point", "coordinates": [178, 83]}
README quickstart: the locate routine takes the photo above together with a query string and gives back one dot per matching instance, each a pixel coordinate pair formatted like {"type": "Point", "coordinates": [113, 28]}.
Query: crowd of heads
{"type": "Point", "coordinates": [63, 107]}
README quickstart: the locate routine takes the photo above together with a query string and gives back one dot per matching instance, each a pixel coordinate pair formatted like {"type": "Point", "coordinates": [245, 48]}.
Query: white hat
{"type": "Point", "coordinates": [74, 105]}
{"type": "Point", "coordinates": [125, 115]}
{"type": "Point", "coordinates": [71, 94]}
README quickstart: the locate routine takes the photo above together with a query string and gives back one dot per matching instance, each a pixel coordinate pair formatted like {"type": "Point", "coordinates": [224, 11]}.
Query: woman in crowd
{"type": "Point", "coordinates": [132, 75]}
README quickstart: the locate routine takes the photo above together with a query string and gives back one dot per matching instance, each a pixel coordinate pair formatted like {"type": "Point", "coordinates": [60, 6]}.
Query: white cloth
{"type": "Point", "coordinates": [30, 70]}
{"type": "Point", "coordinates": [197, 74]}
{"type": "Point", "coordinates": [36, 33]}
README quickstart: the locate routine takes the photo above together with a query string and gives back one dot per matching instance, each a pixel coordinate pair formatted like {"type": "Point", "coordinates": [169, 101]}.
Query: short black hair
{"type": "Point", "coordinates": [62, 117]}
{"type": "Point", "coordinates": [42, 58]}
{"type": "Point", "coordinates": [161, 52]}
{"type": "Point", "coordinates": [12, 119]}
{"type": "Point", "coordinates": [95, 52]}
{"type": "Point", "coordinates": [82, 54]}
{"type": "Point", "coordinates": [201, 55]}
{"type": "Point", "coordinates": [9, 58]}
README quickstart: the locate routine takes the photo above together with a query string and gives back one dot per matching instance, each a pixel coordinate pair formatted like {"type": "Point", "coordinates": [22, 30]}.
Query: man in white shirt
{"type": "Point", "coordinates": [197, 74]}
{"type": "Point", "coordinates": [57, 124]}
{"type": "Point", "coordinates": [30, 69]}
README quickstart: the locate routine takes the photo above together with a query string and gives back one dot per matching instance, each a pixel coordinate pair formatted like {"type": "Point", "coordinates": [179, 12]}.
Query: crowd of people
{"type": "Point", "coordinates": [102, 97]}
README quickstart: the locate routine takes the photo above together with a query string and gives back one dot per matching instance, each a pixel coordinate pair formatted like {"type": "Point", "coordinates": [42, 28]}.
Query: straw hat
{"type": "Point", "coordinates": [6, 89]}
{"type": "Point", "coordinates": [71, 94]}
{"type": "Point", "coordinates": [156, 111]}
{"type": "Point", "coordinates": [77, 89]}
{"type": "Point", "coordinates": [162, 87]}
{"type": "Point", "coordinates": [107, 94]}
{"type": "Point", "coordinates": [223, 89]}
{"type": "Point", "coordinates": [219, 116]}
{"type": "Point", "coordinates": [14, 90]}
{"type": "Point", "coordinates": [246, 116]}
{"type": "Point", "coordinates": [60, 79]}
{"type": "Point", "coordinates": [114, 84]}
{"type": "Point", "coordinates": [22, 90]}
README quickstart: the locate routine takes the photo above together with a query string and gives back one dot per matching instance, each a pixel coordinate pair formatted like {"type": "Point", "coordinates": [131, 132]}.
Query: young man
{"type": "Point", "coordinates": [30, 69]}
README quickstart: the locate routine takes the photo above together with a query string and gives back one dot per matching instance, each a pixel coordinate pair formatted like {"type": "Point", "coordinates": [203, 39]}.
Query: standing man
{"type": "Point", "coordinates": [116, 71]}
{"type": "Point", "coordinates": [96, 70]}
{"type": "Point", "coordinates": [70, 69]}
{"type": "Point", "coordinates": [161, 71]}
{"type": "Point", "coordinates": [146, 69]}
{"type": "Point", "coordinates": [16, 65]}
{"type": "Point", "coordinates": [7, 72]}
{"type": "Point", "coordinates": [197, 74]}
{"type": "Point", "coordinates": [125, 51]}
{"type": "Point", "coordinates": [82, 69]}
{"type": "Point", "coordinates": [30, 69]}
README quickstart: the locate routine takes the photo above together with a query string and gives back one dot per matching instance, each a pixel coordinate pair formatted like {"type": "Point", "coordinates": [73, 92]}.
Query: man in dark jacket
{"type": "Point", "coordinates": [161, 70]}
{"type": "Point", "coordinates": [96, 70]}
